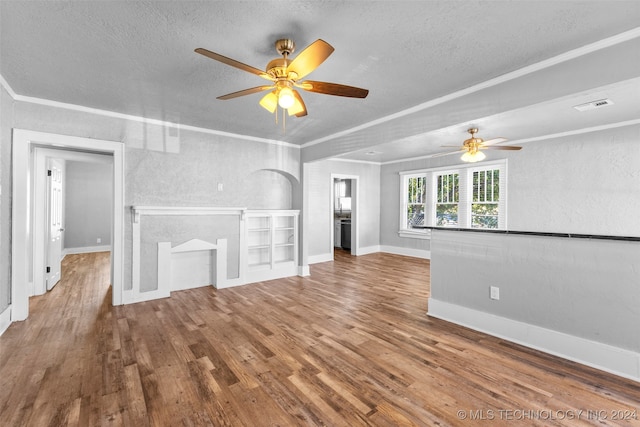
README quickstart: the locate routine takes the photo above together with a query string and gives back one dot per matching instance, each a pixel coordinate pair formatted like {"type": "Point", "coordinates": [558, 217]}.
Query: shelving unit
{"type": "Point", "coordinates": [272, 244]}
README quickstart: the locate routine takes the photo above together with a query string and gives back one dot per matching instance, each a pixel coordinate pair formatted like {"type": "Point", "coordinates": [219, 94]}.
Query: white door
{"type": "Point", "coordinates": [54, 215]}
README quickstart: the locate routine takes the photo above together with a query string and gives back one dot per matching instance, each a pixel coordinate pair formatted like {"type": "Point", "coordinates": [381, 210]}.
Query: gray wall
{"type": "Point", "coordinates": [319, 214]}
{"type": "Point", "coordinates": [88, 201]}
{"type": "Point", "coordinates": [6, 123]}
{"type": "Point", "coordinates": [586, 288]}
{"type": "Point", "coordinates": [582, 184]}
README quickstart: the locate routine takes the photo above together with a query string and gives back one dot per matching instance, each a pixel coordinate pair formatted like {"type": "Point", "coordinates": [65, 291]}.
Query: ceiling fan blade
{"type": "Point", "coordinates": [270, 102]}
{"type": "Point", "coordinates": [500, 147]}
{"type": "Point", "coordinates": [333, 89]}
{"type": "Point", "coordinates": [233, 63]}
{"type": "Point", "coordinates": [310, 58]}
{"type": "Point", "coordinates": [494, 141]}
{"type": "Point", "coordinates": [298, 109]}
{"type": "Point", "coordinates": [245, 92]}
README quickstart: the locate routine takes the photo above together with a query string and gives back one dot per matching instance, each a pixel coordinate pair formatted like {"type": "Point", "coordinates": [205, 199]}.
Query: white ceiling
{"type": "Point", "coordinates": [433, 68]}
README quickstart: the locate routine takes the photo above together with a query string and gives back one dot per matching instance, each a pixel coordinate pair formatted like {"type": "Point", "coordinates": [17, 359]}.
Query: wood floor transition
{"type": "Point", "coordinates": [350, 345]}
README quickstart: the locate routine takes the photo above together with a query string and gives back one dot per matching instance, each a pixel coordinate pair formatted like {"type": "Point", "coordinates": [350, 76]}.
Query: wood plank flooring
{"type": "Point", "coordinates": [350, 345]}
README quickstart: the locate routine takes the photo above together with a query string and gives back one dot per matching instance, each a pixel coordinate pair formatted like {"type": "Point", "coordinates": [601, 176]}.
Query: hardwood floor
{"type": "Point", "coordinates": [350, 345]}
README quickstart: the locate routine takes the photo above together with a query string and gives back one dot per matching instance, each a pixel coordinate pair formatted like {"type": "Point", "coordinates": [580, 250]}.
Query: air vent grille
{"type": "Point", "coordinates": [593, 105]}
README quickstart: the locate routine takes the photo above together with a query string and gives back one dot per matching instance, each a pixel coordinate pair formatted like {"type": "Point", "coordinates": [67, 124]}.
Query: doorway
{"type": "Point", "coordinates": [344, 214]}
{"type": "Point", "coordinates": [52, 183]}
{"type": "Point", "coordinates": [25, 255]}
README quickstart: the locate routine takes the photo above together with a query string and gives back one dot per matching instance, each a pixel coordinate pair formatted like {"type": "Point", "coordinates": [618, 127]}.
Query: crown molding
{"type": "Point", "coordinates": [113, 114]}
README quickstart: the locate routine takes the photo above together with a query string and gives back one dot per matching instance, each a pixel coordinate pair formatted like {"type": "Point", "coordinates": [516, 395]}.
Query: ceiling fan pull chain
{"type": "Point", "coordinates": [284, 121]}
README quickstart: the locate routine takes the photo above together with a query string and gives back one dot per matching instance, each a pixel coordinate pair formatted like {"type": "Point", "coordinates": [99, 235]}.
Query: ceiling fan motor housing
{"type": "Point", "coordinates": [285, 46]}
{"type": "Point", "coordinates": [278, 68]}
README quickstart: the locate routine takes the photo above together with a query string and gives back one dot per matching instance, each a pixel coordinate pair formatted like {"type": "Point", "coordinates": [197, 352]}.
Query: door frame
{"type": "Point", "coordinates": [355, 244]}
{"type": "Point", "coordinates": [23, 209]}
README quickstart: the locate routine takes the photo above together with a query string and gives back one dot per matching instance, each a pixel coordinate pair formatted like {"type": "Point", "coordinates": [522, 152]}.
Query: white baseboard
{"type": "Point", "coordinates": [368, 250]}
{"type": "Point", "coordinates": [85, 250]}
{"type": "Point", "coordinates": [398, 250]}
{"type": "Point", "coordinates": [605, 357]}
{"type": "Point", "coordinates": [315, 259]}
{"type": "Point", "coordinates": [5, 319]}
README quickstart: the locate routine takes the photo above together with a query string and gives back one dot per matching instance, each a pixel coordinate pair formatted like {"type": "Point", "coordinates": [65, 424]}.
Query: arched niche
{"type": "Point", "coordinates": [270, 189]}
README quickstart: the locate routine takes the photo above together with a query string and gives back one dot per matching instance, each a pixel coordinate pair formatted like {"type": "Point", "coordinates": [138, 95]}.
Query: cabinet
{"type": "Point", "coordinates": [272, 244]}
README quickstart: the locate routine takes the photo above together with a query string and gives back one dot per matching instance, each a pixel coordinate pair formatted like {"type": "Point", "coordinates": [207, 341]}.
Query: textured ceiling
{"type": "Point", "coordinates": [136, 58]}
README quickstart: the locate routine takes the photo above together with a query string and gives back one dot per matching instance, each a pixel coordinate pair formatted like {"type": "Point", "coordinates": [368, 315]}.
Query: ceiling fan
{"type": "Point", "coordinates": [472, 146]}
{"type": "Point", "coordinates": [284, 75]}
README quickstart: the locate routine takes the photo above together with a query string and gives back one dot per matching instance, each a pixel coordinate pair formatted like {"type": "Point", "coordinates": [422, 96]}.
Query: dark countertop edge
{"type": "Point", "coordinates": [535, 233]}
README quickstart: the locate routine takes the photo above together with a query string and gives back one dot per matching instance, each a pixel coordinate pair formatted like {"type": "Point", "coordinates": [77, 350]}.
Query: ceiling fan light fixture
{"type": "Point", "coordinates": [472, 157]}
{"type": "Point", "coordinates": [286, 98]}
{"type": "Point", "coordinates": [269, 102]}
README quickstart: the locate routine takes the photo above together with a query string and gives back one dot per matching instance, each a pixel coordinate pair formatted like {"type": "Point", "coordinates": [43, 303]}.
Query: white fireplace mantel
{"type": "Point", "coordinates": [190, 210]}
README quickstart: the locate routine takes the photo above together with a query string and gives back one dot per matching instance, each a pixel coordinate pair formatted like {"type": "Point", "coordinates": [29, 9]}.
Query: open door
{"type": "Point", "coordinates": [54, 214]}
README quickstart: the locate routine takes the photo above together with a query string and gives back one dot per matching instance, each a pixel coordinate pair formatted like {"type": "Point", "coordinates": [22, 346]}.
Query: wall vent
{"type": "Point", "coordinates": [593, 105]}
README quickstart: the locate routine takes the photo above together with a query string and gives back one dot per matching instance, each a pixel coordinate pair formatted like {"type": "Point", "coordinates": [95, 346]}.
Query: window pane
{"type": "Point", "coordinates": [448, 196]}
{"type": "Point", "coordinates": [415, 201]}
{"type": "Point", "coordinates": [446, 214]}
{"type": "Point", "coordinates": [486, 194]}
{"type": "Point", "coordinates": [484, 215]}
{"type": "Point", "coordinates": [415, 215]}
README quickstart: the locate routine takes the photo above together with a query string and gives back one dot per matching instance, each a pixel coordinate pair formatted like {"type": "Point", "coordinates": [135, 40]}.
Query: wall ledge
{"type": "Point", "coordinates": [615, 360]}
{"type": "Point", "coordinates": [539, 233]}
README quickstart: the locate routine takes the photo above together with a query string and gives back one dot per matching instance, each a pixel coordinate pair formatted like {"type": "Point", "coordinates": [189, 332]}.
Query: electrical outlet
{"type": "Point", "coordinates": [220, 186]}
{"type": "Point", "coordinates": [98, 240]}
{"type": "Point", "coordinates": [494, 292]}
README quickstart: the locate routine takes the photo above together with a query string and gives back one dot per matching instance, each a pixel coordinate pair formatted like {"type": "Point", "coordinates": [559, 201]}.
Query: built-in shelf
{"type": "Point", "coordinates": [272, 244]}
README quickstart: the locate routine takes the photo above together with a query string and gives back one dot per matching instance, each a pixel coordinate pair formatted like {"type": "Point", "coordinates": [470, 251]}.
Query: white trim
{"type": "Point", "coordinates": [85, 250]}
{"type": "Point", "coordinates": [398, 250]}
{"type": "Point", "coordinates": [190, 210]}
{"type": "Point", "coordinates": [615, 360]}
{"type": "Point", "coordinates": [415, 234]}
{"type": "Point", "coordinates": [316, 259]}
{"type": "Point", "coordinates": [5, 319]}
{"type": "Point", "coordinates": [339, 159]}
{"type": "Point", "coordinates": [22, 244]}
{"type": "Point", "coordinates": [368, 250]}
{"type": "Point", "coordinates": [304, 271]}
{"type": "Point", "coordinates": [8, 88]}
